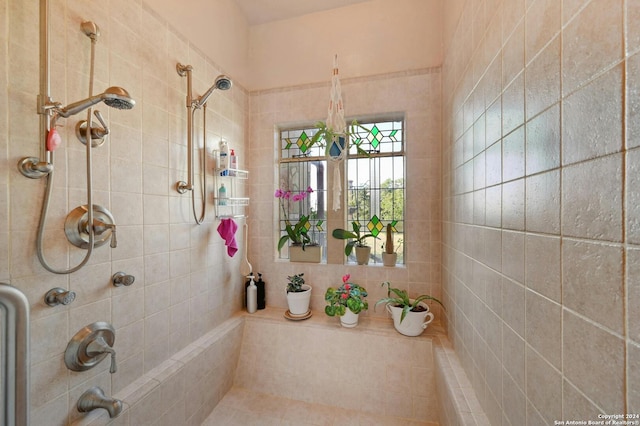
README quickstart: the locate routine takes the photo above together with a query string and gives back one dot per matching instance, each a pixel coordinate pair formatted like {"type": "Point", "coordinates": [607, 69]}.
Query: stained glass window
{"type": "Point", "coordinates": [374, 184]}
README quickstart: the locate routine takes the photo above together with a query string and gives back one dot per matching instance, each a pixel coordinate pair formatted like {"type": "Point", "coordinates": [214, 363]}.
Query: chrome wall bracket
{"type": "Point", "coordinates": [33, 168]}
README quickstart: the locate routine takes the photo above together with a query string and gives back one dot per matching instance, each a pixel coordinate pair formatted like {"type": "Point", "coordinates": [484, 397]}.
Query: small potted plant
{"type": "Point", "coordinates": [303, 248]}
{"type": "Point", "coordinates": [409, 315]}
{"type": "Point", "coordinates": [347, 301]}
{"type": "Point", "coordinates": [389, 256]}
{"type": "Point", "coordinates": [298, 296]}
{"type": "Point", "coordinates": [357, 240]}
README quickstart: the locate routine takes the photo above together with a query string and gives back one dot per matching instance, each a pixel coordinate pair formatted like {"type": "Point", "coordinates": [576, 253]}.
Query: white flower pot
{"type": "Point", "coordinates": [362, 254]}
{"type": "Point", "coordinates": [299, 302]}
{"type": "Point", "coordinates": [414, 323]}
{"type": "Point", "coordinates": [349, 319]}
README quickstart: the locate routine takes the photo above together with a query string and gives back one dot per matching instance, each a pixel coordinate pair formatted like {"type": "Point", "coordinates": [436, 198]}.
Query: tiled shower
{"type": "Point", "coordinates": [525, 154]}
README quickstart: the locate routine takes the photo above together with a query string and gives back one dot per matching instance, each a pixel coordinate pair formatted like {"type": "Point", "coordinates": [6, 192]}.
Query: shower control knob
{"type": "Point", "coordinates": [59, 296]}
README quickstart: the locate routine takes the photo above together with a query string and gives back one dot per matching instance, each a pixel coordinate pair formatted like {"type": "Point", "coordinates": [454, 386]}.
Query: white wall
{"type": "Point", "coordinates": [370, 38]}
{"type": "Point", "coordinates": [216, 27]}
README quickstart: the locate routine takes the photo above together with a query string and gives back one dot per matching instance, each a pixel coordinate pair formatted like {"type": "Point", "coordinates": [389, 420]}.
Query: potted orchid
{"type": "Point", "coordinates": [303, 248]}
{"type": "Point", "coordinates": [347, 301]}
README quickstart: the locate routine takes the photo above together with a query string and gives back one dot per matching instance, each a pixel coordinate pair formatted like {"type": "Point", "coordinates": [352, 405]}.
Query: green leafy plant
{"type": "Point", "coordinates": [357, 238]}
{"type": "Point", "coordinates": [295, 283]}
{"type": "Point", "coordinates": [401, 300]}
{"type": "Point", "coordinates": [348, 295]}
{"type": "Point", "coordinates": [325, 135]}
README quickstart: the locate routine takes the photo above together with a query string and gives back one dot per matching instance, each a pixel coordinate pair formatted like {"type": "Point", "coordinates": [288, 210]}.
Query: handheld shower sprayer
{"type": "Point", "coordinates": [114, 96]}
{"type": "Point", "coordinates": [222, 82]}
{"type": "Point", "coordinates": [91, 30]}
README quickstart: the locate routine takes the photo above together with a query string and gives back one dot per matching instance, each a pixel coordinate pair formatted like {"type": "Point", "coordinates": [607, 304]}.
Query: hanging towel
{"type": "Point", "coordinates": [227, 230]}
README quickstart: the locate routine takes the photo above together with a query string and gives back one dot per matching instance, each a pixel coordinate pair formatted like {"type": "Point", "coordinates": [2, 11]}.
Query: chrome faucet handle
{"type": "Point", "coordinates": [100, 346]}
{"type": "Point", "coordinates": [100, 133]}
{"type": "Point", "coordinates": [97, 133]}
{"type": "Point", "coordinates": [100, 227]}
{"type": "Point", "coordinates": [120, 278]}
{"type": "Point", "coordinates": [59, 296]}
{"type": "Point", "coordinates": [90, 345]}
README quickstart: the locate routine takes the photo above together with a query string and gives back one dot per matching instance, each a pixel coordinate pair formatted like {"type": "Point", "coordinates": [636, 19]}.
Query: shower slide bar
{"type": "Point", "coordinates": [14, 357]}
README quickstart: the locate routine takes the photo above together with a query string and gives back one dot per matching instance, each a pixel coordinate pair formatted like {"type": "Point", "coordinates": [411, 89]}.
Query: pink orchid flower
{"type": "Point", "coordinates": [345, 278]}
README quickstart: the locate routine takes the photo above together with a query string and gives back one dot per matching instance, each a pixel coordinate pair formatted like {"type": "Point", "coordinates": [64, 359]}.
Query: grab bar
{"type": "Point", "coordinates": [14, 355]}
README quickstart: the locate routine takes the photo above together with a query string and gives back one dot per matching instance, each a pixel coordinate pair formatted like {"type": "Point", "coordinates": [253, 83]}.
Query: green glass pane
{"type": "Point", "coordinates": [393, 225]}
{"type": "Point", "coordinates": [302, 142]}
{"type": "Point", "coordinates": [392, 135]}
{"type": "Point", "coordinates": [319, 225]}
{"type": "Point", "coordinates": [289, 143]}
{"type": "Point", "coordinates": [375, 136]}
{"type": "Point", "coordinates": [375, 226]}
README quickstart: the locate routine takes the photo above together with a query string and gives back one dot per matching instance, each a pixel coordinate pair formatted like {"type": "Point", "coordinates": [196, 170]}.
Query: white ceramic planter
{"type": "Point", "coordinates": [349, 319]}
{"type": "Point", "coordinates": [414, 323]}
{"type": "Point", "coordinates": [299, 302]}
{"type": "Point", "coordinates": [362, 254]}
{"type": "Point", "coordinates": [310, 254]}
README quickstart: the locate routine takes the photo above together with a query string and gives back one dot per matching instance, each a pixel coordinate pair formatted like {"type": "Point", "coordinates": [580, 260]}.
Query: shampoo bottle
{"type": "Point", "coordinates": [252, 296]}
{"type": "Point", "coordinates": [262, 299]}
{"type": "Point", "coordinates": [233, 160]}
{"type": "Point", "coordinates": [223, 164]}
{"type": "Point", "coordinates": [222, 195]}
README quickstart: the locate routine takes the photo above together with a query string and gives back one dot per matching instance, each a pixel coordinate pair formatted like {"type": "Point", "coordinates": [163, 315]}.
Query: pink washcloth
{"type": "Point", "coordinates": [227, 230]}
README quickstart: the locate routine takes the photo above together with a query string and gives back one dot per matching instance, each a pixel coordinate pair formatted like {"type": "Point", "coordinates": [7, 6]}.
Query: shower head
{"type": "Point", "coordinates": [222, 83]}
{"type": "Point", "coordinates": [115, 97]}
{"type": "Point", "coordinates": [118, 98]}
{"type": "Point", "coordinates": [90, 29]}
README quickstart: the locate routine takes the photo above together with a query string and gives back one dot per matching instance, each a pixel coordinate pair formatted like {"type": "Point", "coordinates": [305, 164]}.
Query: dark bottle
{"type": "Point", "coordinates": [262, 296]}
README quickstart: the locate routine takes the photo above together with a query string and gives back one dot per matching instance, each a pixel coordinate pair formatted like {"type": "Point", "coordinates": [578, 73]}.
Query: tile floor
{"type": "Point", "coordinates": [241, 407]}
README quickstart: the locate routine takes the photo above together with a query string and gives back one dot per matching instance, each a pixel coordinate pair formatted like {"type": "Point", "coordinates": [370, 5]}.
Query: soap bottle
{"type": "Point", "coordinates": [233, 160]}
{"type": "Point", "coordinates": [223, 164]}
{"type": "Point", "coordinates": [252, 296]}
{"type": "Point", "coordinates": [262, 295]}
{"type": "Point", "coordinates": [222, 195]}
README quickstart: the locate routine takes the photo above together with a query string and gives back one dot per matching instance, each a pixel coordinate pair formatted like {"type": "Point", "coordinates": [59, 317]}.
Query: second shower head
{"type": "Point", "coordinates": [222, 82]}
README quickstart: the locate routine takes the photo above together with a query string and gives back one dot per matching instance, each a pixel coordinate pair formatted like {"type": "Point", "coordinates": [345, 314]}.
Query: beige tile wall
{"type": "Point", "coordinates": [185, 283]}
{"type": "Point", "coordinates": [370, 369]}
{"type": "Point", "coordinates": [540, 150]}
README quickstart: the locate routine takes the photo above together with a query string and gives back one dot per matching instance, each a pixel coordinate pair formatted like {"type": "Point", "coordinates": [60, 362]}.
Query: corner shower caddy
{"type": "Point", "coordinates": [233, 207]}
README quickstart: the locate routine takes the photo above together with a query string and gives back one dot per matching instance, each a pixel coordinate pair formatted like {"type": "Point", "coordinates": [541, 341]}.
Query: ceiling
{"type": "Point", "coordinates": [263, 11]}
